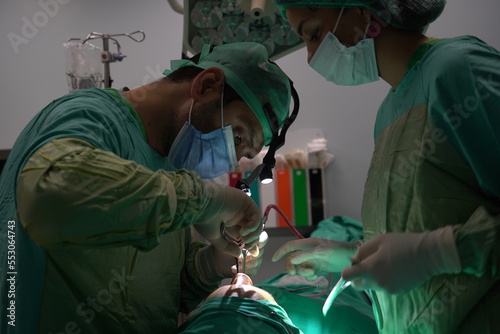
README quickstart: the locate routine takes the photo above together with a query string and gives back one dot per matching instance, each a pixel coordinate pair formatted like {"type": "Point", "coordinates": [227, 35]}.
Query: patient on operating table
{"type": "Point", "coordinates": [239, 307]}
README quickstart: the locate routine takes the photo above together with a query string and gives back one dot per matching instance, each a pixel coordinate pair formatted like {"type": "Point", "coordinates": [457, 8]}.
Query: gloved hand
{"type": "Point", "coordinates": [214, 265]}
{"type": "Point", "coordinates": [237, 211]}
{"type": "Point", "coordinates": [312, 256]}
{"type": "Point", "coordinates": [399, 262]}
{"type": "Point", "coordinates": [254, 257]}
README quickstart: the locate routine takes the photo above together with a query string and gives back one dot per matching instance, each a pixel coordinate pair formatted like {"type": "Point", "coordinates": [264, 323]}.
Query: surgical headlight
{"type": "Point", "coordinates": [266, 175]}
{"type": "Point", "coordinates": [264, 170]}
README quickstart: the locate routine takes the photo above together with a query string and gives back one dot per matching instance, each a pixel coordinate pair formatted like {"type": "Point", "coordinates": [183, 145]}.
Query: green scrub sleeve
{"type": "Point", "coordinates": [464, 101]}
{"type": "Point", "coordinates": [71, 194]}
{"type": "Point", "coordinates": [478, 243]}
{"type": "Point", "coordinates": [193, 289]}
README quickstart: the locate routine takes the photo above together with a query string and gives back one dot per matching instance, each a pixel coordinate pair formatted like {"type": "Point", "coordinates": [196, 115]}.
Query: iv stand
{"type": "Point", "coordinates": [107, 57]}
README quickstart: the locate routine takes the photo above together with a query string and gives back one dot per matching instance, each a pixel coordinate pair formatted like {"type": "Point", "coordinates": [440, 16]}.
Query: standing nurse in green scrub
{"type": "Point", "coordinates": [431, 248]}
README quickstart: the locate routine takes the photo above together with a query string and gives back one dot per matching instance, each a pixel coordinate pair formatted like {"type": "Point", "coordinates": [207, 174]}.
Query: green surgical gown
{"type": "Point", "coordinates": [436, 162]}
{"type": "Point", "coordinates": [109, 250]}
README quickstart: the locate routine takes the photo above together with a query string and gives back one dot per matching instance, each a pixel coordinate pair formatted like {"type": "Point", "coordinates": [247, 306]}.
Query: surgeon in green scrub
{"type": "Point", "coordinates": [431, 206]}
{"type": "Point", "coordinates": [101, 188]}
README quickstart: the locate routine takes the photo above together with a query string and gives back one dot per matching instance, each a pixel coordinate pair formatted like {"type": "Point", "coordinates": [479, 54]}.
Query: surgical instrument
{"type": "Point", "coordinates": [243, 261]}
{"type": "Point", "coordinates": [228, 237]}
{"type": "Point", "coordinates": [337, 289]}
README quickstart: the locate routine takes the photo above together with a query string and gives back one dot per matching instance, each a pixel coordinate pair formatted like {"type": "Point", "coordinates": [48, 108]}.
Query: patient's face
{"type": "Point", "coordinates": [242, 286]}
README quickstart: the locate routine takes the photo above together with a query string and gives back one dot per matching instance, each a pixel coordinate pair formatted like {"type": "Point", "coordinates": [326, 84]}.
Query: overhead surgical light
{"type": "Point", "coordinates": [218, 22]}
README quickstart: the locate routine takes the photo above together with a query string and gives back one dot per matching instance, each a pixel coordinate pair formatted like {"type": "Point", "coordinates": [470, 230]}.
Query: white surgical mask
{"type": "Point", "coordinates": [210, 154]}
{"type": "Point", "coordinates": [345, 66]}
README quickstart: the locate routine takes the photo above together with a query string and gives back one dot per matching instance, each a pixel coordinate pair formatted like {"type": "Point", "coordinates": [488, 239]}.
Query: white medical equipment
{"type": "Point", "coordinates": [229, 21]}
{"type": "Point", "coordinates": [83, 59]}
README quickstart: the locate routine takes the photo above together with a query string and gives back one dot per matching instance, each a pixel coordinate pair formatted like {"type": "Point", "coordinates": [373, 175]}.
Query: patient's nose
{"type": "Point", "coordinates": [242, 279]}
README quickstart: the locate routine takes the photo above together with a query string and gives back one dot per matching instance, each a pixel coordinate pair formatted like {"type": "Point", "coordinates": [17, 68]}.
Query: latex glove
{"type": "Point", "coordinates": [237, 211]}
{"type": "Point", "coordinates": [214, 265]}
{"type": "Point", "coordinates": [313, 256]}
{"type": "Point", "coordinates": [254, 258]}
{"type": "Point", "coordinates": [398, 262]}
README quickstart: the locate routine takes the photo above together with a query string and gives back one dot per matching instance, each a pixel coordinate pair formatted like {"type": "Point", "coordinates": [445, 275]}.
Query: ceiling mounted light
{"type": "Point", "coordinates": [218, 22]}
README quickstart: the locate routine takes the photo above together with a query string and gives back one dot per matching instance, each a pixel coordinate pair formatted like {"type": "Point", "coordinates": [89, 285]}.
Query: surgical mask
{"type": "Point", "coordinates": [210, 154]}
{"type": "Point", "coordinates": [346, 66]}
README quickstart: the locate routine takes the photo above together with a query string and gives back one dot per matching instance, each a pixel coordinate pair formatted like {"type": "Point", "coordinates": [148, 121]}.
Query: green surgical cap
{"type": "Point", "coordinates": [249, 72]}
{"type": "Point", "coordinates": [403, 14]}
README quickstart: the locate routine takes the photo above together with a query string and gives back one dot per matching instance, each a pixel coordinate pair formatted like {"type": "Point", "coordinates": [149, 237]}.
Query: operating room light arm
{"type": "Point", "coordinates": [176, 5]}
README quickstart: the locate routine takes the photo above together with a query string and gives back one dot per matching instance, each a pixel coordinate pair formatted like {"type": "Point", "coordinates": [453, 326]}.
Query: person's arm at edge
{"type": "Point", "coordinates": [70, 193]}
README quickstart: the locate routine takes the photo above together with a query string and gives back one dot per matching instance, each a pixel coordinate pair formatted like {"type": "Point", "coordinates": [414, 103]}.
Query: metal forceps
{"type": "Point", "coordinates": [225, 234]}
{"type": "Point", "coordinates": [230, 238]}
{"type": "Point", "coordinates": [243, 262]}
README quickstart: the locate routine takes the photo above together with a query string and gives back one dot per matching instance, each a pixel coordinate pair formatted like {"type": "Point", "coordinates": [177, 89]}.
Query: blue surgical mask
{"type": "Point", "coordinates": [346, 66]}
{"type": "Point", "coordinates": [210, 154]}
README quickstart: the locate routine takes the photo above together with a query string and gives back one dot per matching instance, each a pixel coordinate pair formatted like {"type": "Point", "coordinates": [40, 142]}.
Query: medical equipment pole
{"type": "Point", "coordinates": [106, 61]}
{"type": "Point", "coordinates": [107, 57]}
